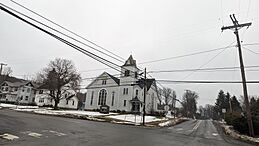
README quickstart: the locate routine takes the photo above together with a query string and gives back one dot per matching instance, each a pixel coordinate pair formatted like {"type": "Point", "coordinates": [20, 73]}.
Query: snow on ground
{"type": "Point", "coordinates": [64, 112]}
{"type": "Point", "coordinates": [170, 122]}
{"type": "Point", "coordinates": [229, 130]}
{"type": "Point", "coordinates": [27, 107]}
{"type": "Point", "coordinates": [88, 113]}
{"type": "Point", "coordinates": [135, 118]}
{"type": "Point", "coordinates": [7, 105]}
{"type": "Point", "coordinates": [17, 106]}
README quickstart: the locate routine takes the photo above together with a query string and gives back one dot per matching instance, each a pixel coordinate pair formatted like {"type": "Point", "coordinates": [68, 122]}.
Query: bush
{"type": "Point", "coordinates": [240, 124]}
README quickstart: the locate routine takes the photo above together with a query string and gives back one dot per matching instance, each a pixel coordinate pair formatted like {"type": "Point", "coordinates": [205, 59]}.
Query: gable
{"type": "Point", "coordinates": [29, 84]}
{"type": "Point", "coordinates": [4, 84]}
{"type": "Point", "coordinates": [98, 82]}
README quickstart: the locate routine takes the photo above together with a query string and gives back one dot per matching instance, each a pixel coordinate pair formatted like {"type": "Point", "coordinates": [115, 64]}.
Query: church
{"type": "Point", "coordinates": [123, 93]}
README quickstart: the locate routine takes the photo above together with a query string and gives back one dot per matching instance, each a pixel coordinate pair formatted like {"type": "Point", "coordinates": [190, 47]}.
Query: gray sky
{"type": "Point", "coordinates": [147, 29]}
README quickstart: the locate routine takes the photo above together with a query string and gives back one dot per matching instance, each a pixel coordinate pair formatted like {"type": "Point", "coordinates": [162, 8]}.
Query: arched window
{"type": "Point", "coordinates": [102, 97]}
{"type": "Point", "coordinates": [113, 94]}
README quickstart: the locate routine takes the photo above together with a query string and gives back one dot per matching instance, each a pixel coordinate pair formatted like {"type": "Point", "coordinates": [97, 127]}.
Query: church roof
{"type": "Point", "coordinates": [149, 83]}
{"type": "Point", "coordinates": [130, 62]}
{"type": "Point", "coordinates": [114, 78]}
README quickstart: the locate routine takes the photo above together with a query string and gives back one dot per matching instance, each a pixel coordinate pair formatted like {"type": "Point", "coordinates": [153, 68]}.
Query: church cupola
{"type": "Point", "coordinates": [129, 69]}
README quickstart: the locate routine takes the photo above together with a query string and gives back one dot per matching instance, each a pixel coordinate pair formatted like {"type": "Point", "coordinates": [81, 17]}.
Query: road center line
{"type": "Point", "coordinates": [9, 136]}
{"type": "Point", "coordinates": [34, 134]}
{"type": "Point", "coordinates": [197, 125]}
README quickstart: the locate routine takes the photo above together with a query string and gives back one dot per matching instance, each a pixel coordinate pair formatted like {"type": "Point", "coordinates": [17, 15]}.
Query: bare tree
{"type": "Point", "coordinates": [167, 93]}
{"type": "Point", "coordinates": [7, 71]}
{"type": "Point", "coordinates": [58, 77]}
{"type": "Point", "coordinates": [190, 103]}
{"type": "Point", "coordinates": [160, 94]}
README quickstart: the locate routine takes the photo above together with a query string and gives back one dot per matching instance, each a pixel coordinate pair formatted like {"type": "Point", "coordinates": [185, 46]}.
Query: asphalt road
{"type": "Point", "coordinates": [27, 129]}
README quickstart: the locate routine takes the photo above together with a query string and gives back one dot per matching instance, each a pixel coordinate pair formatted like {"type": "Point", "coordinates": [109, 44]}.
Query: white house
{"type": "Point", "coordinates": [125, 93]}
{"type": "Point", "coordinates": [69, 100]}
{"type": "Point", "coordinates": [17, 92]}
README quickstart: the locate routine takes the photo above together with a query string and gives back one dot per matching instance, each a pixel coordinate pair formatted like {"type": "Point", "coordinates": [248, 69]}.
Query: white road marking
{"type": "Point", "coordinates": [34, 134]}
{"type": "Point", "coordinates": [179, 129]}
{"type": "Point", "coordinates": [197, 125]}
{"type": "Point", "coordinates": [215, 134]}
{"type": "Point", "coordinates": [57, 133]}
{"type": "Point", "coordinates": [9, 136]}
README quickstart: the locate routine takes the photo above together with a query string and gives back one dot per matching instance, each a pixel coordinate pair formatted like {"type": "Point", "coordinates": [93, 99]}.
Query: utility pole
{"type": "Point", "coordinates": [236, 27]}
{"type": "Point", "coordinates": [230, 105]}
{"type": "Point", "coordinates": [1, 67]}
{"type": "Point", "coordinates": [145, 90]}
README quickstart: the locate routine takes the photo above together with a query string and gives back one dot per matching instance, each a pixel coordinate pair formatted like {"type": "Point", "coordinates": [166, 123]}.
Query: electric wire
{"type": "Point", "coordinates": [208, 61]}
{"type": "Point", "coordinates": [59, 32]}
{"type": "Point", "coordinates": [30, 10]}
{"type": "Point", "coordinates": [201, 69]}
{"type": "Point", "coordinates": [59, 38]}
{"type": "Point", "coordinates": [186, 55]}
{"type": "Point", "coordinates": [95, 57]}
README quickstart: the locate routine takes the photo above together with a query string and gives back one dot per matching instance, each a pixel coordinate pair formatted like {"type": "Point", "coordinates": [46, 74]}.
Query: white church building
{"type": "Point", "coordinates": [125, 93]}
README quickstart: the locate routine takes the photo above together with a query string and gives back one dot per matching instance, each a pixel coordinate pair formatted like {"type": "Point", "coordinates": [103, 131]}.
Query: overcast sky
{"type": "Point", "coordinates": [147, 29]}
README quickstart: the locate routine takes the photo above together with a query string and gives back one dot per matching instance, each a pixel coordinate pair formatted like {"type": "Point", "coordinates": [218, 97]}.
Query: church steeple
{"type": "Point", "coordinates": [129, 71]}
{"type": "Point", "coordinates": [130, 62]}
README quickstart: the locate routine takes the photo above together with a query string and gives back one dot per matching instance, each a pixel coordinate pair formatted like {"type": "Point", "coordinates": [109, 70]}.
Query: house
{"type": "Point", "coordinates": [124, 93]}
{"type": "Point", "coordinates": [22, 92]}
{"type": "Point", "coordinates": [69, 100]}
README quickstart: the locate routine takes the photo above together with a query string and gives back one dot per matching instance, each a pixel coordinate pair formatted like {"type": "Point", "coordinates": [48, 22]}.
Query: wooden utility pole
{"type": "Point", "coordinates": [145, 90]}
{"type": "Point", "coordinates": [230, 106]}
{"type": "Point", "coordinates": [236, 27]}
{"type": "Point", "coordinates": [1, 67]}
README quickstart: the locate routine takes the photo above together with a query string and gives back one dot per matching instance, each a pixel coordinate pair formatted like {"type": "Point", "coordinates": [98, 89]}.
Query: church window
{"type": "Point", "coordinates": [127, 73]}
{"type": "Point", "coordinates": [102, 97]}
{"type": "Point", "coordinates": [113, 94]}
{"type": "Point", "coordinates": [104, 82]}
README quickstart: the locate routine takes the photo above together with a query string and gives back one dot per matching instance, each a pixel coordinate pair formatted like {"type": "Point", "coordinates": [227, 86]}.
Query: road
{"type": "Point", "coordinates": [25, 129]}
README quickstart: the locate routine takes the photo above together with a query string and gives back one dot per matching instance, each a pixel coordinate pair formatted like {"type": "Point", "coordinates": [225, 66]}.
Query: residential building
{"type": "Point", "coordinates": [69, 100]}
{"type": "Point", "coordinates": [124, 93]}
{"type": "Point", "coordinates": [21, 92]}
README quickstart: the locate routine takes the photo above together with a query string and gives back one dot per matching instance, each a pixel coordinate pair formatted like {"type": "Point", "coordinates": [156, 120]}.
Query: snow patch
{"type": "Point", "coordinates": [7, 105]}
{"type": "Point", "coordinates": [49, 111]}
{"type": "Point", "coordinates": [230, 131]}
{"type": "Point", "coordinates": [170, 122]}
{"type": "Point", "coordinates": [17, 106]}
{"type": "Point", "coordinates": [135, 118]}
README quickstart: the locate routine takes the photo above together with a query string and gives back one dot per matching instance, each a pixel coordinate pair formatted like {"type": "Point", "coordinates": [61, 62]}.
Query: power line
{"type": "Point", "coordinates": [60, 32]}
{"type": "Point", "coordinates": [251, 51]}
{"type": "Point", "coordinates": [68, 30]}
{"type": "Point", "coordinates": [88, 53]}
{"type": "Point", "coordinates": [248, 9]}
{"type": "Point", "coordinates": [208, 82]}
{"type": "Point", "coordinates": [208, 61]}
{"type": "Point", "coordinates": [251, 44]}
{"type": "Point", "coordinates": [95, 57]}
{"type": "Point", "coordinates": [200, 69]}
{"type": "Point", "coordinates": [187, 55]}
